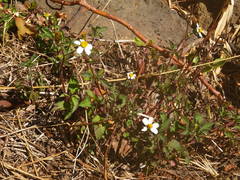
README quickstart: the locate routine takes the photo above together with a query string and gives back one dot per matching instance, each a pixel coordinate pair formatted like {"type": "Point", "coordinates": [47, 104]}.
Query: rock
{"type": "Point", "coordinates": [152, 18]}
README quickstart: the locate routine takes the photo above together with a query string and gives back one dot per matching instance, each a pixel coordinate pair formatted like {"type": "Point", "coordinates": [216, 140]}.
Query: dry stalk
{"type": "Point", "coordinates": [8, 166]}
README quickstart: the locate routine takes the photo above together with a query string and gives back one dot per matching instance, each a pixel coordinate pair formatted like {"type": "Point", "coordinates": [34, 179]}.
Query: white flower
{"type": "Point", "coordinates": [148, 122]}
{"type": "Point", "coordinates": [131, 75]}
{"type": "Point", "coordinates": [17, 14]}
{"type": "Point", "coordinates": [83, 46]}
{"type": "Point", "coordinates": [199, 30]}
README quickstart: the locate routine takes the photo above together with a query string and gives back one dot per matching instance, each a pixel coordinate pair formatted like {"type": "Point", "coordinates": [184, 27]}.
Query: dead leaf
{"type": "Point", "coordinates": [229, 167]}
{"type": "Point", "coordinates": [99, 91]}
{"type": "Point", "coordinates": [121, 147]}
{"type": "Point", "coordinates": [4, 104]}
{"type": "Point", "coordinates": [22, 29]}
{"type": "Point", "coordinates": [61, 15]}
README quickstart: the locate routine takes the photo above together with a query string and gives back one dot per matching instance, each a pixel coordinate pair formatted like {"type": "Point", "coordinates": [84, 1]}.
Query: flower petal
{"type": "Point", "coordinates": [146, 121]}
{"type": "Point", "coordinates": [154, 130]}
{"type": "Point", "coordinates": [77, 42]}
{"type": "Point", "coordinates": [150, 120]}
{"type": "Point", "coordinates": [155, 125]}
{"type": "Point", "coordinates": [88, 49]}
{"type": "Point", "coordinates": [131, 75]}
{"type": "Point", "coordinates": [144, 129]}
{"type": "Point", "coordinates": [79, 50]}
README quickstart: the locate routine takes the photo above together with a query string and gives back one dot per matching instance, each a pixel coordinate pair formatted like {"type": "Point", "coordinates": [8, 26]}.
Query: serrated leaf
{"type": "Point", "coordinates": [86, 102]}
{"type": "Point", "coordinates": [74, 101]}
{"type": "Point", "coordinates": [59, 105]}
{"type": "Point", "coordinates": [73, 86]}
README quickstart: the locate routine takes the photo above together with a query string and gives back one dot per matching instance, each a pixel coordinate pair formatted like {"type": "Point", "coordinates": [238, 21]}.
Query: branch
{"type": "Point", "coordinates": [140, 36]}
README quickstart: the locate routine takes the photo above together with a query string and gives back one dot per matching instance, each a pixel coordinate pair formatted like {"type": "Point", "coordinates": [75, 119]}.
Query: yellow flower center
{"type": "Point", "coordinates": [149, 126]}
{"type": "Point", "coordinates": [47, 14]}
{"type": "Point", "coordinates": [131, 75]}
{"type": "Point", "coordinates": [84, 44]}
{"type": "Point", "coordinates": [199, 30]}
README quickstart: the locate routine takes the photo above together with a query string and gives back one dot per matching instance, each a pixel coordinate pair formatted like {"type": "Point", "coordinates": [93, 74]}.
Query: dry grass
{"type": "Point", "coordinates": [36, 143]}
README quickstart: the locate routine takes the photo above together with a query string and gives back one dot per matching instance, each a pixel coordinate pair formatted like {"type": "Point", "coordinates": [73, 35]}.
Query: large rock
{"type": "Point", "coordinates": [153, 18]}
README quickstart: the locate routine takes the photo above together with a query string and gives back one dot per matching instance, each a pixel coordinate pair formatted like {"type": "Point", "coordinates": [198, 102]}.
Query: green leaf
{"type": "Point", "coordinates": [207, 69]}
{"type": "Point", "coordinates": [129, 123]}
{"type": "Point", "coordinates": [186, 127]}
{"type": "Point", "coordinates": [237, 127]}
{"type": "Point", "coordinates": [123, 100]}
{"type": "Point", "coordinates": [46, 33]}
{"type": "Point", "coordinates": [30, 62]}
{"type": "Point", "coordinates": [98, 31]}
{"type": "Point", "coordinates": [218, 63]}
{"type": "Point", "coordinates": [174, 145]}
{"type": "Point", "coordinates": [206, 127]}
{"type": "Point", "coordinates": [74, 101]}
{"type": "Point", "coordinates": [97, 118]}
{"type": "Point", "coordinates": [73, 86]}
{"type": "Point", "coordinates": [59, 105]}
{"type": "Point", "coordinates": [165, 122]}
{"type": "Point", "coordinates": [139, 42]}
{"type": "Point", "coordinates": [228, 134]}
{"type": "Point", "coordinates": [215, 65]}
{"type": "Point", "coordinates": [198, 118]}
{"type": "Point", "coordinates": [196, 59]}
{"type": "Point", "coordinates": [87, 76]}
{"type": "Point", "coordinates": [126, 134]}
{"type": "Point", "coordinates": [134, 139]}
{"type": "Point", "coordinates": [91, 94]}
{"type": "Point", "coordinates": [99, 131]}
{"type": "Point", "coordinates": [86, 102]}
{"type": "Point", "coordinates": [100, 73]}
